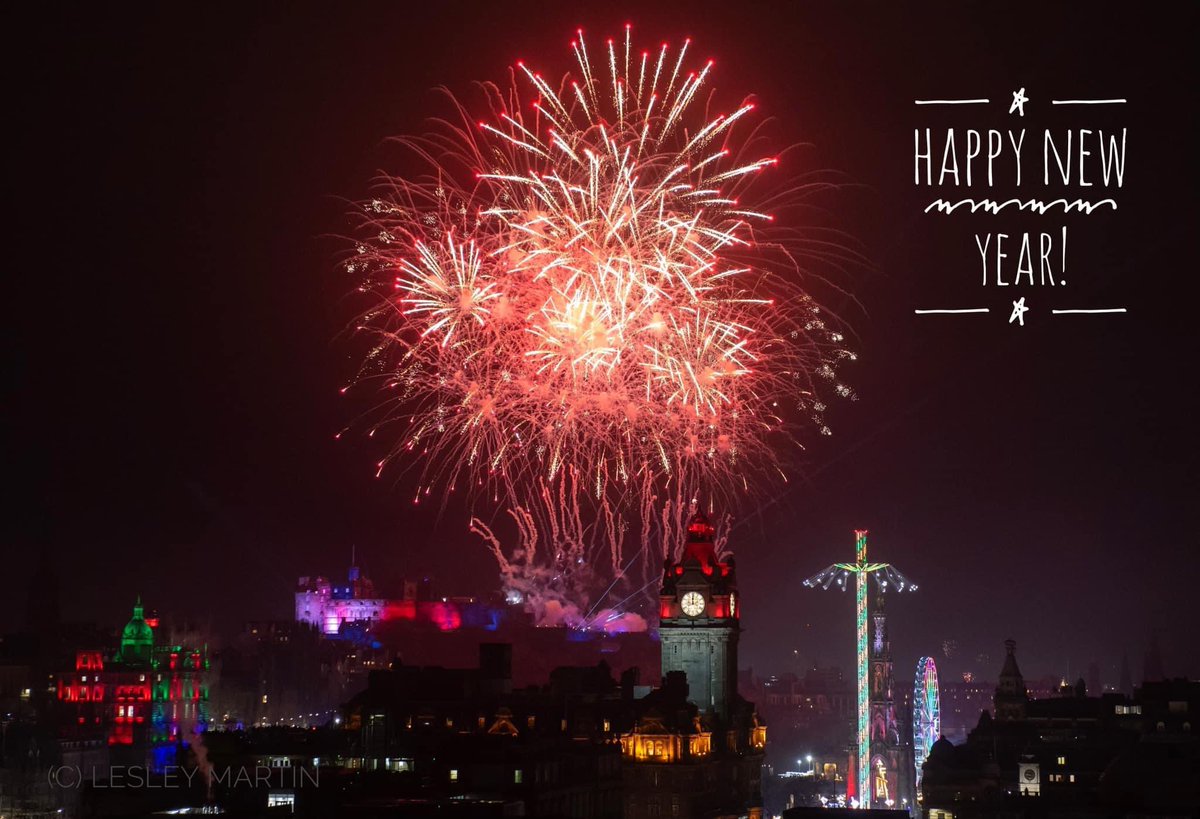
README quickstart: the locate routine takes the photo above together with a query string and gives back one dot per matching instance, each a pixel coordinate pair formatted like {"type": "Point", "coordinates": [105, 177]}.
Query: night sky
{"type": "Point", "coordinates": [179, 177]}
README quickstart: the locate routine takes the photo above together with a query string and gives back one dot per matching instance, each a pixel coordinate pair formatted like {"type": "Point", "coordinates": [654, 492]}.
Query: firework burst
{"type": "Point", "coordinates": [584, 288]}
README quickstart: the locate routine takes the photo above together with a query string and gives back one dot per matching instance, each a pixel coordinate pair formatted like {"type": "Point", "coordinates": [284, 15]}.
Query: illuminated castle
{"type": "Point", "coordinates": [146, 698]}
{"type": "Point", "coordinates": [328, 607]}
{"type": "Point", "coordinates": [349, 611]}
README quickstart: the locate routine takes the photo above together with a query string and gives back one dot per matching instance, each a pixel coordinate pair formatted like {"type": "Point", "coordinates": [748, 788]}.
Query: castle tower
{"type": "Point", "coordinates": [1011, 698]}
{"type": "Point", "coordinates": [699, 628]}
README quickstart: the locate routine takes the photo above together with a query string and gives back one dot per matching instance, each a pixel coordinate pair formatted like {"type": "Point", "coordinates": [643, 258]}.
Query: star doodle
{"type": "Point", "coordinates": [1018, 313]}
{"type": "Point", "coordinates": [1018, 103]}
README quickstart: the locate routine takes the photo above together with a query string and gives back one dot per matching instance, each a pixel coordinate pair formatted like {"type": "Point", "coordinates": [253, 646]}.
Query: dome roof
{"type": "Point", "coordinates": [943, 746]}
{"type": "Point", "coordinates": [137, 639]}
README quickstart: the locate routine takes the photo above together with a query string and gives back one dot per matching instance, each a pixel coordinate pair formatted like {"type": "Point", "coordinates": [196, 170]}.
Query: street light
{"type": "Point", "coordinates": [811, 768]}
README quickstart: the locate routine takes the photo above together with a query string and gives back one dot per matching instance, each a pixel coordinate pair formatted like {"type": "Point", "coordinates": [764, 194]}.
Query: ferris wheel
{"type": "Point", "coordinates": [927, 714]}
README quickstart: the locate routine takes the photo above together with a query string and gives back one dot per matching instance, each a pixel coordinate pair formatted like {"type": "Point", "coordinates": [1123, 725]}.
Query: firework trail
{"type": "Point", "coordinates": [585, 312]}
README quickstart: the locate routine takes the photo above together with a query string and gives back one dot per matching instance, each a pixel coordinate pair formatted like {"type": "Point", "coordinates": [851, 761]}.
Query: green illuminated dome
{"type": "Point", "coordinates": [137, 640]}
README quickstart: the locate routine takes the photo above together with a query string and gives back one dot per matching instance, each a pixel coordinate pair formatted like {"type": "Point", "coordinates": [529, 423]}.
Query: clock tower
{"type": "Point", "coordinates": [699, 612]}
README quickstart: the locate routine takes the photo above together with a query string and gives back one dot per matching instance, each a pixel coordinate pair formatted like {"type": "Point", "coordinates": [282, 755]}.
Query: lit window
{"type": "Point", "coordinates": [607, 726]}
{"type": "Point", "coordinates": [1062, 760]}
{"type": "Point", "coordinates": [281, 799]}
{"type": "Point", "coordinates": [518, 776]}
{"type": "Point", "coordinates": [454, 774]}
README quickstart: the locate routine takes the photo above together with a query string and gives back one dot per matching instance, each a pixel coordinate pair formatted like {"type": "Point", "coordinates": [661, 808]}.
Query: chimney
{"type": "Point", "coordinates": [495, 667]}
{"type": "Point", "coordinates": [629, 680]}
{"type": "Point", "coordinates": [676, 684]}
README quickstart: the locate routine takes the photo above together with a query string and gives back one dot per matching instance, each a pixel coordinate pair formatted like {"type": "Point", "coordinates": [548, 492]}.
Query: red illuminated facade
{"type": "Point", "coordinates": [143, 696]}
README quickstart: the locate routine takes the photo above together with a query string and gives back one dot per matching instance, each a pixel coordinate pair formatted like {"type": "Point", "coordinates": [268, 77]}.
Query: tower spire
{"type": "Point", "coordinates": [1010, 698]}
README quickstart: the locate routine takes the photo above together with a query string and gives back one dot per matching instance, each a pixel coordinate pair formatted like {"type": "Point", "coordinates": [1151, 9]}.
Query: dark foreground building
{"type": "Point", "coordinates": [436, 736]}
{"type": "Point", "coordinates": [1072, 755]}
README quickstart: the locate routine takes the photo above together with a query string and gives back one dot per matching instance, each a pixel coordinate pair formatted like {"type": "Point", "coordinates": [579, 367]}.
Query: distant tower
{"type": "Point", "coordinates": [699, 610]}
{"type": "Point", "coordinates": [1126, 676]}
{"type": "Point", "coordinates": [1011, 698]}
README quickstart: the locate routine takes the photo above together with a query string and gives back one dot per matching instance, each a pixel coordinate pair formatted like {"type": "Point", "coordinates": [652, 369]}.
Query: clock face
{"type": "Point", "coordinates": [692, 603]}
